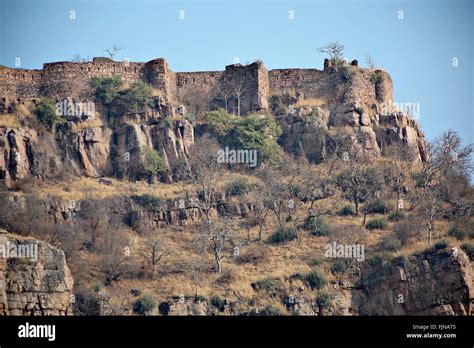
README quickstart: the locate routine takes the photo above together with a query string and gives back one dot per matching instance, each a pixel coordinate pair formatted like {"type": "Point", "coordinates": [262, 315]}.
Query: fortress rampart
{"type": "Point", "coordinates": [252, 83]}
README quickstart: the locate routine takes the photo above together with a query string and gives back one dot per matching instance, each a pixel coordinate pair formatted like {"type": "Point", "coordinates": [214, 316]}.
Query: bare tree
{"type": "Point", "coordinates": [238, 88]}
{"type": "Point", "coordinates": [335, 51]}
{"type": "Point", "coordinates": [369, 61]}
{"type": "Point", "coordinates": [156, 252]}
{"type": "Point", "coordinates": [202, 171]}
{"type": "Point", "coordinates": [219, 238]}
{"type": "Point", "coordinates": [224, 91]}
{"type": "Point", "coordinates": [112, 51]}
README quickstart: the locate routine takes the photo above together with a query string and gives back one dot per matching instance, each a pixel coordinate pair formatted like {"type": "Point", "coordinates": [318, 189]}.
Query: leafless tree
{"type": "Point", "coordinates": [112, 51]}
{"type": "Point", "coordinates": [238, 87]}
{"type": "Point", "coordinates": [335, 51]}
{"type": "Point", "coordinates": [224, 90]}
{"type": "Point", "coordinates": [369, 61]}
{"type": "Point", "coordinates": [202, 171]}
{"type": "Point", "coordinates": [219, 238]}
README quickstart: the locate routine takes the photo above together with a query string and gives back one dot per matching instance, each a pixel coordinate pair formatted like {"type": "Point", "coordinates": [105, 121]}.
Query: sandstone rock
{"type": "Point", "coordinates": [40, 284]}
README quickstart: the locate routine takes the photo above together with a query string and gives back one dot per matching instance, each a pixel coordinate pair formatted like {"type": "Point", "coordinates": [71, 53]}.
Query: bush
{"type": "Point", "coordinates": [456, 233]}
{"type": "Point", "coordinates": [400, 261]}
{"type": "Point", "coordinates": [392, 244]}
{"type": "Point", "coordinates": [217, 302]}
{"type": "Point", "coordinates": [144, 305]}
{"type": "Point", "coordinates": [237, 187]}
{"type": "Point", "coordinates": [47, 114]}
{"type": "Point", "coordinates": [378, 207]}
{"type": "Point", "coordinates": [339, 266]}
{"type": "Point", "coordinates": [283, 234]}
{"type": "Point", "coordinates": [136, 97]}
{"type": "Point", "coordinates": [346, 211]}
{"type": "Point", "coordinates": [439, 245]}
{"type": "Point", "coordinates": [315, 279]}
{"type": "Point", "coordinates": [323, 300]}
{"type": "Point", "coordinates": [219, 122]}
{"type": "Point", "coordinates": [271, 310]}
{"type": "Point", "coordinates": [147, 200]}
{"type": "Point", "coordinates": [152, 162]}
{"type": "Point", "coordinates": [396, 216]}
{"type": "Point", "coordinates": [106, 89]}
{"type": "Point", "coordinates": [376, 224]}
{"type": "Point", "coordinates": [469, 250]}
{"type": "Point", "coordinates": [269, 285]}
{"type": "Point", "coordinates": [316, 226]}
{"type": "Point", "coordinates": [379, 259]}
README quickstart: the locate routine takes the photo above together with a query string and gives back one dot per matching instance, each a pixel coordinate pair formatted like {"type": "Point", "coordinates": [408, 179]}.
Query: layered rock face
{"type": "Point", "coordinates": [438, 283]}
{"type": "Point", "coordinates": [34, 278]}
{"type": "Point", "coordinates": [313, 107]}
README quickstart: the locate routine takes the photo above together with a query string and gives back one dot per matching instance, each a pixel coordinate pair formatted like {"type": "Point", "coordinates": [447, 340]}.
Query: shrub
{"type": "Point", "coordinates": [217, 302]}
{"type": "Point", "coordinates": [396, 216]}
{"type": "Point", "coordinates": [315, 279]}
{"type": "Point", "coordinates": [378, 207]}
{"type": "Point", "coordinates": [137, 96]}
{"type": "Point", "coordinates": [106, 89]}
{"type": "Point", "coordinates": [47, 114]}
{"type": "Point", "coordinates": [316, 226]}
{"type": "Point", "coordinates": [144, 305]}
{"type": "Point", "coordinates": [219, 122]}
{"type": "Point", "coordinates": [346, 211]}
{"type": "Point", "coordinates": [339, 266]}
{"type": "Point", "coordinates": [379, 259]}
{"type": "Point", "coordinates": [151, 161]}
{"type": "Point", "coordinates": [283, 234]}
{"type": "Point", "coordinates": [392, 244]}
{"type": "Point", "coordinates": [237, 187]}
{"type": "Point", "coordinates": [456, 233]}
{"type": "Point", "coordinates": [147, 200]}
{"type": "Point", "coordinates": [439, 245]}
{"type": "Point", "coordinates": [376, 224]}
{"type": "Point", "coordinates": [323, 300]}
{"type": "Point", "coordinates": [469, 250]}
{"type": "Point", "coordinates": [268, 284]}
{"type": "Point", "coordinates": [271, 310]}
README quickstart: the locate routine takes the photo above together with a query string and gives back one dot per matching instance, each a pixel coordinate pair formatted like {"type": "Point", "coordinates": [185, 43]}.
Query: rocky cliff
{"type": "Point", "coordinates": [312, 106]}
{"type": "Point", "coordinates": [34, 278]}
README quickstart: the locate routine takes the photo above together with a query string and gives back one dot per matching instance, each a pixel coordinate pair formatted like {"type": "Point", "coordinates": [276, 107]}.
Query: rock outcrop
{"type": "Point", "coordinates": [34, 278]}
{"type": "Point", "coordinates": [433, 283]}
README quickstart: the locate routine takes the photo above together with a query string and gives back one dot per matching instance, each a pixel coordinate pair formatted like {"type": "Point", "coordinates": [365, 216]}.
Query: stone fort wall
{"type": "Point", "coordinates": [199, 90]}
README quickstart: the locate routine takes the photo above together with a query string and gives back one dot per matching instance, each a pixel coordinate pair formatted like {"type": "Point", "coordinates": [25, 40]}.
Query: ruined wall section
{"type": "Point", "coordinates": [197, 89]}
{"type": "Point", "coordinates": [308, 83]}
{"type": "Point", "coordinates": [71, 80]}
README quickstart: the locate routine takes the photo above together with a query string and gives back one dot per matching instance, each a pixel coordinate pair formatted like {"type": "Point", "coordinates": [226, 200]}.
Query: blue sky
{"type": "Point", "coordinates": [417, 50]}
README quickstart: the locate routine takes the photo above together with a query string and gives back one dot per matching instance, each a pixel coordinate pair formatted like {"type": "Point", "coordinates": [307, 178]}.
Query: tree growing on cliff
{"type": "Point", "coordinates": [47, 114]}
{"type": "Point", "coordinates": [335, 51]}
{"type": "Point", "coordinates": [152, 163]}
{"type": "Point", "coordinates": [106, 89]}
{"type": "Point", "coordinates": [238, 87]}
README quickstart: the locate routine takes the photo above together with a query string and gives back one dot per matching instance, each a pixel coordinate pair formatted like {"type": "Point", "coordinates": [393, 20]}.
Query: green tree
{"type": "Point", "coordinates": [137, 96]}
{"type": "Point", "coordinates": [219, 122]}
{"type": "Point", "coordinates": [258, 132]}
{"type": "Point", "coordinates": [47, 114]}
{"type": "Point", "coordinates": [152, 162]}
{"type": "Point", "coordinates": [106, 89]}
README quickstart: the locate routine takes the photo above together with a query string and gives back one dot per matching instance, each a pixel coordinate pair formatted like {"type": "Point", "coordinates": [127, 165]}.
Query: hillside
{"type": "Point", "coordinates": [235, 192]}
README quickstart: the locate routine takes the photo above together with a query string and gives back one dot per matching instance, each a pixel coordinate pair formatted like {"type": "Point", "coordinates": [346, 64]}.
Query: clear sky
{"type": "Point", "coordinates": [416, 46]}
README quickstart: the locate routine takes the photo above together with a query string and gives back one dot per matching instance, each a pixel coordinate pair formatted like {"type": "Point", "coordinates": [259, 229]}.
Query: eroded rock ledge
{"type": "Point", "coordinates": [39, 284]}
